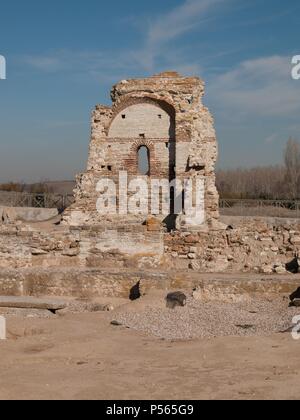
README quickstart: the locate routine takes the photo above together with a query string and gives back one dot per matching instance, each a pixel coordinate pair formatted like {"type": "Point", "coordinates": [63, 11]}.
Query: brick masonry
{"type": "Point", "coordinates": [256, 245]}
{"type": "Point", "coordinates": [165, 114]}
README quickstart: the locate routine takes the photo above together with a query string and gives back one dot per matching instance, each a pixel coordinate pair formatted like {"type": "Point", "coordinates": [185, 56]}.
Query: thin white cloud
{"type": "Point", "coordinates": [261, 87]}
{"type": "Point", "coordinates": [82, 65]}
{"type": "Point", "coordinates": [44, 63]}
{"type": "Point", "coordinates": [151, 56]}
{"type": "Point", "coordinates": [74, 60]}
{"type": "Point", "coordinates": [271, 139]}
{"type": "Point", "coordinates": [179, 20]}
{"type": "Point", "coordinates": [258, 87]}
{"type": "Point", "coordinates": [170, 26]}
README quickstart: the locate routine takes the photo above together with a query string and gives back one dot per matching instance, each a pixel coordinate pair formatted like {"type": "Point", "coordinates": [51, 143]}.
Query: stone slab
{"type": "Point", "coordinates": [28, 302]}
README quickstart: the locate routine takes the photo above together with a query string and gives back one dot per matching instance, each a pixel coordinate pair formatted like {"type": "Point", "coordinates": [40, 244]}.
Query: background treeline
{"type": "Point", "coordinates": [39, 188]}
{"type": "Point", "coordinates": [280, 182]}
{"type": "Point", "coordinates": [45, 187]}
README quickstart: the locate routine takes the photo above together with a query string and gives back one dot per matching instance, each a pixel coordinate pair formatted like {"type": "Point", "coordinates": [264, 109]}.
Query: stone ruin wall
{"type": "Point", "coordinates": [254, 245]}
{"type": "Point", "coordinates": [166, 109]}
{"type": "Point", "coordinates": [165, 113]}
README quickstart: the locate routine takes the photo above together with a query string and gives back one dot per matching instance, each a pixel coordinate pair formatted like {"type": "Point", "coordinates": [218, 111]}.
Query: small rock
{"type": "Point", "coordinates": [295, 295]}
{"type": "Point", "coordinates": [293, 266]}
{"type": "Point", "coordinates": [37, 251]}
{"type": "Point", "coordinates": [267, 269]}
{"type": "Point", "coordinates": [295, 240]}
{"type": "Point", "coordinates": [97, 307]}
{"type": "Point", "coordinates": [194, 265]}
{"type": "Point", "coordinates": [176, 299]}
{"type": "Point", "coordinates": [183, 257]}
{"type": "Point", "coordinates": [295, 303]}
{"type": "Point", "coordinates": [274, 249]}
{"type": "Point", "coordinates": [245, 327]}
{"type": "Point", "coordinates": [116, 324]}
{"type": "Point", "coordinates": [71, 252]}
{"type": "Point", "coordinates": [280, 270]}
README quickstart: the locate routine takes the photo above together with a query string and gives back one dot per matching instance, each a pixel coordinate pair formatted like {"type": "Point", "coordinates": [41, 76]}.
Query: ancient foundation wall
{"type": "Point", "coordinates": [95, 282]}
{"type": "Point", "coordinates": [256, 245]}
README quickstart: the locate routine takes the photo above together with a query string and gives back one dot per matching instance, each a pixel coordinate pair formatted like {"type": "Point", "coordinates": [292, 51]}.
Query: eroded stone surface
{"type": "Point", "coordinates": [28, 302]}
{"type": "Point", "coordinates": [165, 114]}
{"type": "Point", "coordinates": [250, 246]}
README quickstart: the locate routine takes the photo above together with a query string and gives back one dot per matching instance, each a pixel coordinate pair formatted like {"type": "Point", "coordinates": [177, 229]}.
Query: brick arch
{"type": "Point", "coordinates": [137, 144]}
{"type": "Point", "coordinates": [134, 150]}
{"type": "Point", "coordinates": [127, 101]}
{"type": "Point", "coordinates": [131, 161]}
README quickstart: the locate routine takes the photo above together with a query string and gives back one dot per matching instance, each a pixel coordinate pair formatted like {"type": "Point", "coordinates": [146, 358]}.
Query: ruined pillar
{"type": "Point", "coordinates": [164, 118]}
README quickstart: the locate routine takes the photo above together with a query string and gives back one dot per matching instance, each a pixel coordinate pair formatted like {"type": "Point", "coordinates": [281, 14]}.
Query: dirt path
{"type": "Point", "coordinates": [83, 357]}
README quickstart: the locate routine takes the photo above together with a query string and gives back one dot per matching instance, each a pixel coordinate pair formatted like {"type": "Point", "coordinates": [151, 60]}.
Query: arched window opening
{"type": "Point", "coordinates": [144, 160]}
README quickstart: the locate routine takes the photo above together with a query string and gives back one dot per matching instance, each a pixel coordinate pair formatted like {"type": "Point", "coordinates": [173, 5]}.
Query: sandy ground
{"type": "Point", "coordinates": [83, 356]}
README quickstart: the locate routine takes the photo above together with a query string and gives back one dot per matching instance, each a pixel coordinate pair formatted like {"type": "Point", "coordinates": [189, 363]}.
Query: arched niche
{"type": "Point", "coordinates": [148, 119]}
{"type": "Point", "coordinates": [143, 159]}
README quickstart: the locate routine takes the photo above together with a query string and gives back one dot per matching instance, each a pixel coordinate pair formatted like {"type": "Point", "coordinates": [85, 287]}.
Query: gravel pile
{"type": "Point", "coordinates": [82, 306]}
{"type": "Point", "coordinates": [213, 319]}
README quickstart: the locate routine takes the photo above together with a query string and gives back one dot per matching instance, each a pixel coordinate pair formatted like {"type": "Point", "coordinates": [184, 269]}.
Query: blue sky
{"type": "Point", "coordinates": [63, 56]}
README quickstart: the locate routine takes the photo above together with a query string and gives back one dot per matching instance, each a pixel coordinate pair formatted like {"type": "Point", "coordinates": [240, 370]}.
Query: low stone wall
{"type": "Point", "coordinates": [91, 283]}
{"type": "Point", "coordinates": [254, 245]}
{"type": "Point", "coordinates": [76, 282]}
{"type": "Point", "coordinates": [24, 246]}
{"type": "Point", "coordinates": [26, 214]}
{"type": "Point", "coordinates": [246, 245]}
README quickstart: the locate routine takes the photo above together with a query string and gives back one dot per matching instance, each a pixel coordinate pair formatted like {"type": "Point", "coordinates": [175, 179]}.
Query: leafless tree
{"type": "Point", "coordinates": [269, 182]}
{"type": "Point", "coordinates": [292, 164]}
